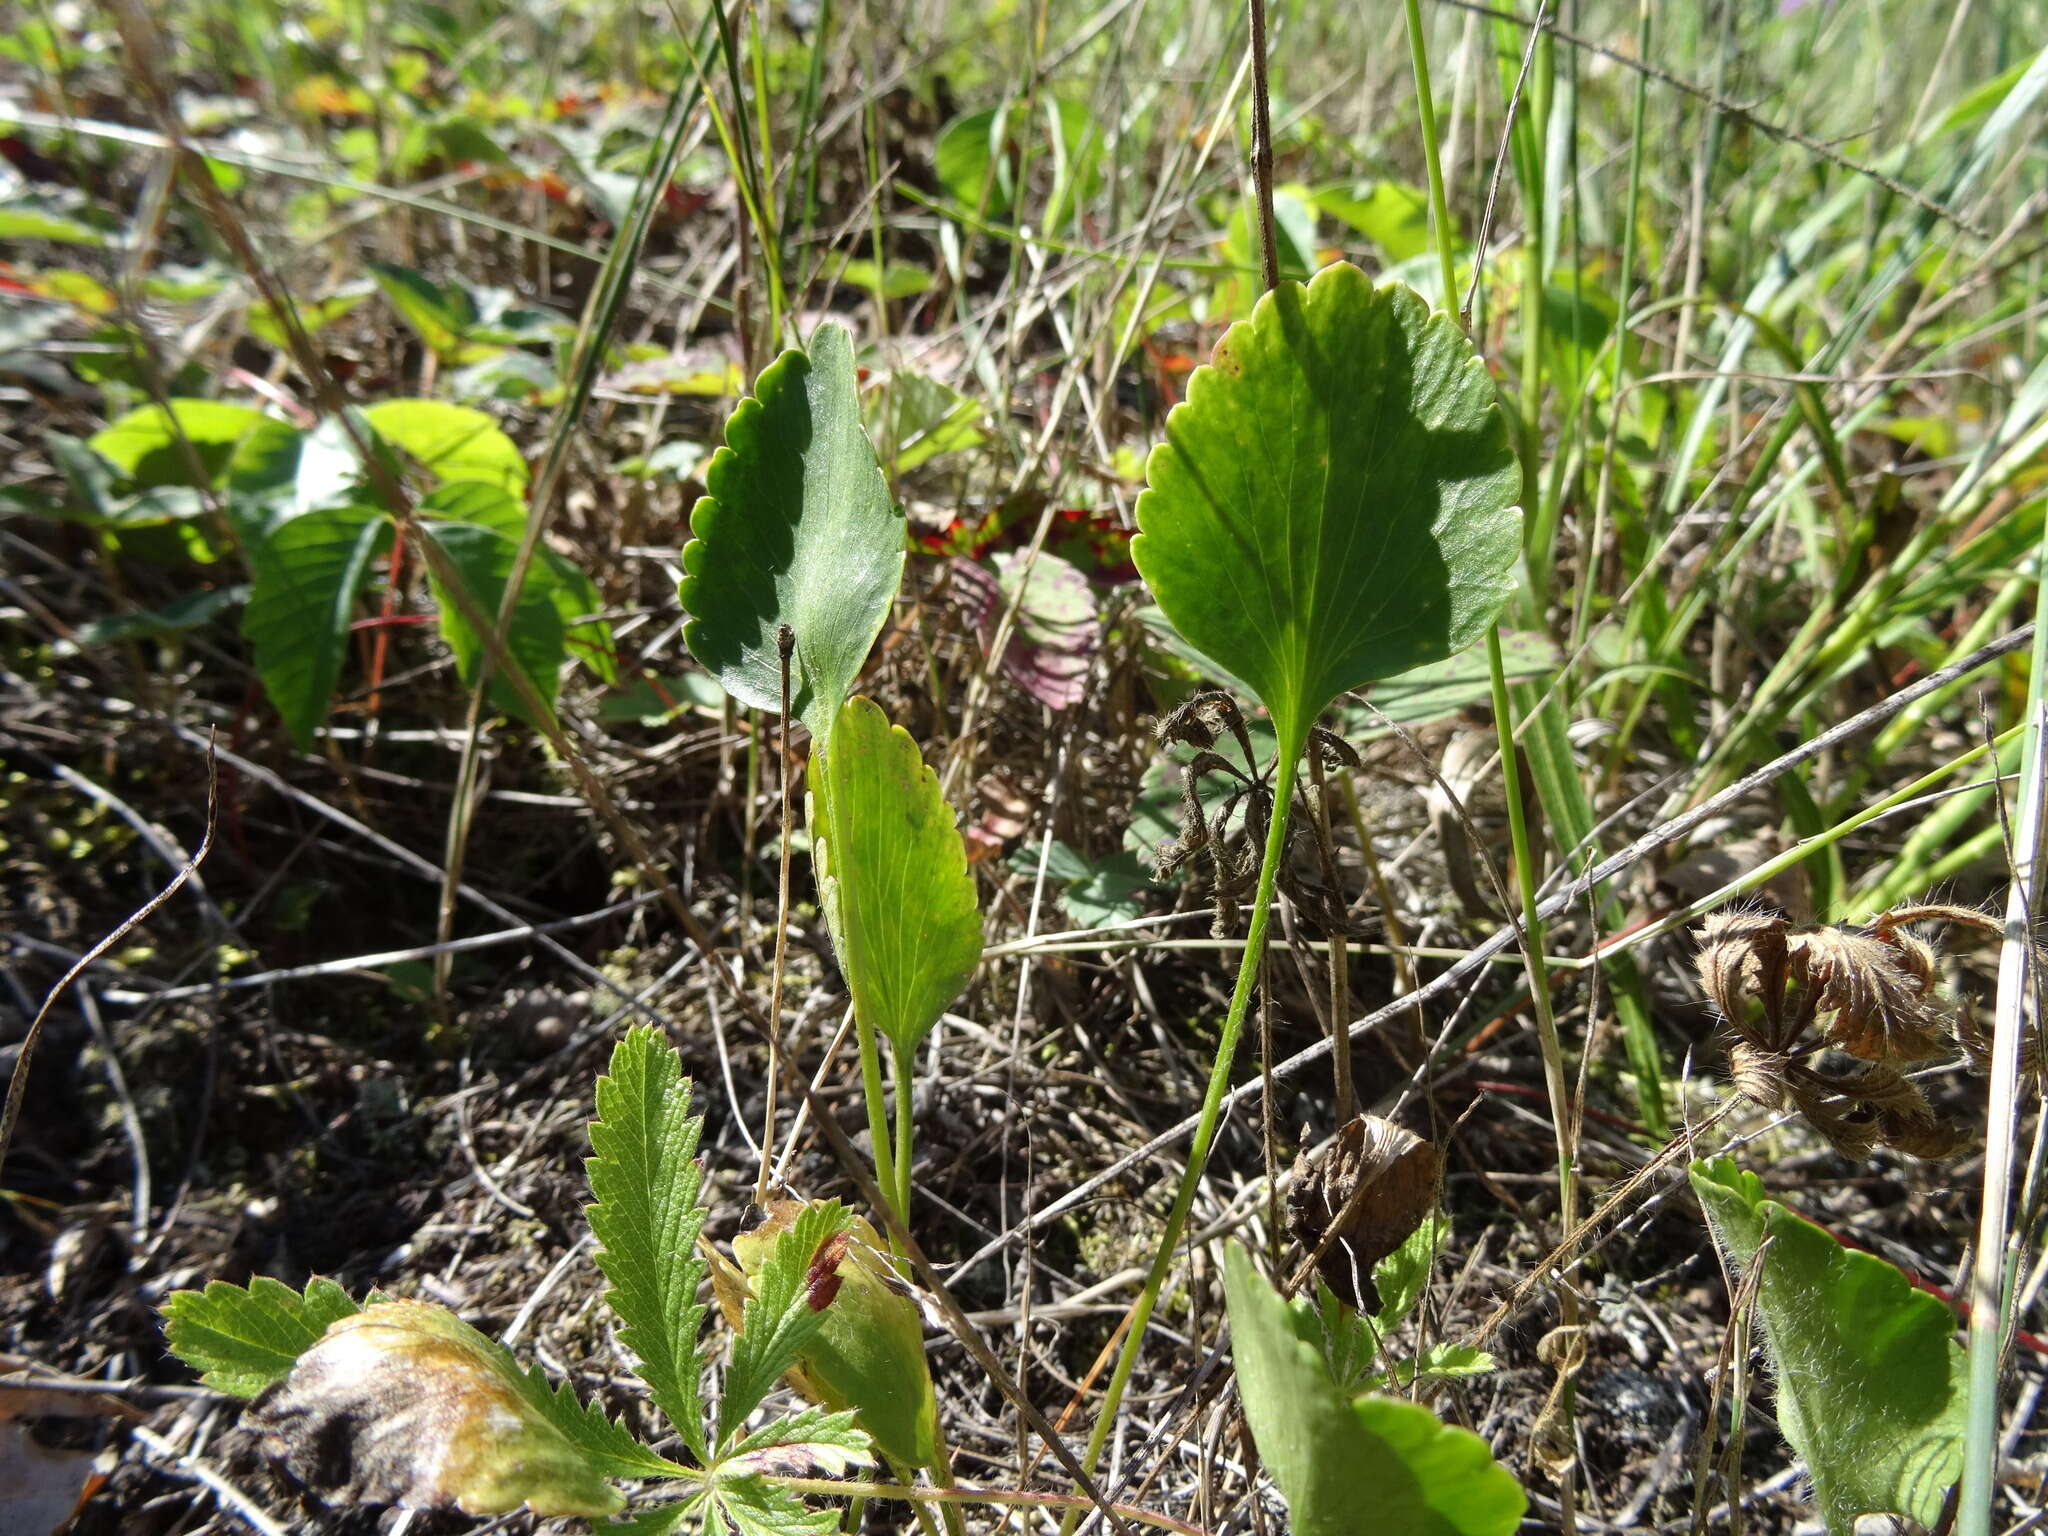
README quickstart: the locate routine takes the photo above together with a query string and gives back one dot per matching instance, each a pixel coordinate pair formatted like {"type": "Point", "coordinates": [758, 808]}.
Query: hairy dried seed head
{"type": "Point", "coordinates": [1759, 1075]}
{"type": "Point", "coordinates": [1882, 1010]}
{"type": "Point", "coordinates": [1743, 955]}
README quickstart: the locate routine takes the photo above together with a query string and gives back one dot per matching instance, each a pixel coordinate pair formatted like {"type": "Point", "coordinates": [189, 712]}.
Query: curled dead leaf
{"type": "Point", "coordinates": [1359, 1200]}
{"type": "Point", "coordinates": [404, 1403]}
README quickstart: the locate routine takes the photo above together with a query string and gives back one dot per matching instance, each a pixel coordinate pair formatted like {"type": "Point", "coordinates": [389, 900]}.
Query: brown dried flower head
{"type": "Point", "coordinates": [1870, 992]}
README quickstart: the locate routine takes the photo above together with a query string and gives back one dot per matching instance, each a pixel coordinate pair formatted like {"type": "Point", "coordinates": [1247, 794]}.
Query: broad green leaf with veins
{"type": "Point", "coordinates": [798, 529]}
{"type": "Point", "coordinates": [1334, 501]}
{"type": "Point", "coordinates": [456, 442]}
{"type": "Point", "coordinates": [1871, 1383]}
{"type": "Point", "coordinates": [540, 635]}
{"type": "Point", "coordinates": [1345, 1463]}
{"type": "Point", "coordinates": [236, 446]}
{"type": "Point", "coordinates": [309, 572]}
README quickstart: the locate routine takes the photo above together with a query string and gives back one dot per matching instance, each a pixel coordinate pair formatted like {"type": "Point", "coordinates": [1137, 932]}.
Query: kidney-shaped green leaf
{"type": "Point", "coordinates": [1871, 1383]}
{"type": "Point", "coordinates": [798, 530]}
{"type": "Point", "coordinates": [899, 898]}
{"type": "Point", "coordinates": [1334, 501]}
{"type": "Point", "coordinates": [1348, 1464]}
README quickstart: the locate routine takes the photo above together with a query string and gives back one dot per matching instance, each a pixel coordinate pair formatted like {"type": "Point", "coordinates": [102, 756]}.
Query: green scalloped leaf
{"type": "Point", "coordinates": [899, 897]}
{"type": "Point", "coordinates": [798, 529]}
{"type": "Point", "coordinates": [240, 1341]}
{"type": "Point", "coordinates": [1334, 502]}
{"type": "Point", "coordinates": [1871, 1382]}
{"type": "Point", "coordinates": [1346, 1464]}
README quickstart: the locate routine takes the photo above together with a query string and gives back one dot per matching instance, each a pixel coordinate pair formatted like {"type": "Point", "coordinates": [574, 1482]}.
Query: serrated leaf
{"type": "Point", "coordinates": [309, 572]}
{"type": "Point", "coordinates": [899, 897]}
{"type": "Point", "coordinates": [568, 587]}
{"type": "Point", "coordinates": [647, 1215]}
{"type": "Point", "coordinates": [1335, 1457]}
{"type": "Point", "coordinates": [868, 1355]}
{"type": "Point", "coordinates": [405, 1403]}
{"type": "Point", "coordinates": [1403, 1274]}
{"type": "Point", "coordinates": [455, 442]}
{"type": "Point", "coordinates": [1871, 1383]}
{"type": "Point", "coordinates": [537, 638]}
{"type": "Point", "coordinates": [812, 1443]}
{"type": "Point", "coordinates": [798, 529]}
{"type": "Point", "coordinates": [240, 1341]}
{"type": "Point", "coordinates": [753, 1506]}
{"type": "Point", "coordinates": [604, 1442]}
{"type": "Point", "coordinates": [236, 446]}
{"type": "Point", "coordinates": [1334, 501]}
{"type": "Point", "coordinates": [785, 1310]}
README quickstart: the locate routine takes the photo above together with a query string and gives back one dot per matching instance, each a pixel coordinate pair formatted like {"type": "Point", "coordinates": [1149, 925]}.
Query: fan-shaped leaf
{"type": "Point", "coordinates": [798, 530]}
{"type": "Point", "coordinates": [898, 894]}
{"type": "Point", "coordinates": [1871, 1383]}
{"type": "Point", "coordinates": [1334, 501]}
{"type": "Point", "coordinates": [1348, 1464]}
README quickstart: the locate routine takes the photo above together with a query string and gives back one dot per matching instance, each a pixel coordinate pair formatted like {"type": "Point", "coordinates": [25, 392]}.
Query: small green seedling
{"type": "Point", "coordinates": [1336, 1454]}
{"type": "Point", "coordinates": [798, 536]}
{"type": "Point", "coordinates": [329, 1377]}
{"type": "Point", "coordinates": [1334, 504]}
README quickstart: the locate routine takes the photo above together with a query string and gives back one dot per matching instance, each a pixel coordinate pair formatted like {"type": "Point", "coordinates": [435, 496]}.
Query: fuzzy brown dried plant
{"type": "Point", "coordinates": [1870, 992]}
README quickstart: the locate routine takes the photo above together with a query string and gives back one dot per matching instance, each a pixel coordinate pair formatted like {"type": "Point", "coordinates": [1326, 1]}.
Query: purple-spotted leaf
{"type": "Point", "coordinates": [1053, 642]}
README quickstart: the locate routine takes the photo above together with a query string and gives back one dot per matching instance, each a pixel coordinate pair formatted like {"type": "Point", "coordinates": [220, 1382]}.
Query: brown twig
{"type": "Point", "coordinates": [17, 1084]}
